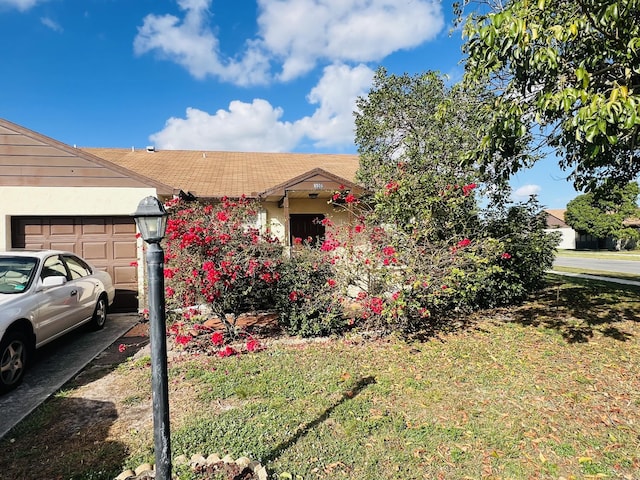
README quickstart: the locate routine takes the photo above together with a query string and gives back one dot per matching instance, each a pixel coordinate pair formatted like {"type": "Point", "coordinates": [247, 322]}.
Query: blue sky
{"type": "Point", "coordinates": [244, 75]}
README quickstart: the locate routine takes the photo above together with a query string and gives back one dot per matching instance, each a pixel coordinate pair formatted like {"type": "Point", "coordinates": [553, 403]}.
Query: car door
{"type": "Point", "coordinates": [86, 285]}
{"type": "Point", "coordinates": [58, 306]}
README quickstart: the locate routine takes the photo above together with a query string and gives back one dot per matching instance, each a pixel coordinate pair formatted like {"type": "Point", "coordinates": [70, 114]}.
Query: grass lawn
{"type": "Point", "coordinates": [550, 389]}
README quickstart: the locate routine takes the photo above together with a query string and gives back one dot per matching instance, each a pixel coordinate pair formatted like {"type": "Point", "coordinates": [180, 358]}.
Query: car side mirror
{"type": "Point", "coordinates": [55, 281]}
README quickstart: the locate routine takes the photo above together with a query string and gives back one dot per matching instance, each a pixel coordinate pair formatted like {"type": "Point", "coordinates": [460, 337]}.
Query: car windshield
{"type": "Point", "coordinates": [16, 273]}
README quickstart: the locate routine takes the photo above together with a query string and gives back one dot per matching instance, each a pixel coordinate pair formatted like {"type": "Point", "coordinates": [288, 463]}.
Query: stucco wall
{"type": "Point", "coordinates": [568, 238]}
{"type": "Point", "coordinates": [49, 201]}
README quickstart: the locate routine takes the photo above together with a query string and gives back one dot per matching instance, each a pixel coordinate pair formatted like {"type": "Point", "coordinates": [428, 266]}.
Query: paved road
{"type": "Point", "coordinates": [55, 364]}
{"type": "Point", "coordinates": [617, 266]}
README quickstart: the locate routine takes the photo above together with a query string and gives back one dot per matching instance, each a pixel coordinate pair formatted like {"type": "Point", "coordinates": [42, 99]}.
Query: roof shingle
{"type": "Point", "coordinates": [217, 174]}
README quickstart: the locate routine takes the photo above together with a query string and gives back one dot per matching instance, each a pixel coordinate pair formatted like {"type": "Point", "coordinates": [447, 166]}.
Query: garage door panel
{"type": "Point", "coordinates": [68, 246]}
{"type": "Point", "coordinates": [124, 227]}
{"type": "Point", "coordinates": [94, 228]}
{"type": "Point", "coordinates": [124, 250]}
{"type": "Point", "coordinates": [108, 243]}
{"type": "Point", "coordinates": [33, 229]}
{"type": "Point", "coordinates": [124, 274]}
{"type": "Point", "coordinates": [62, 227]}
{"type": "Point", "coordinates": [94, 250]}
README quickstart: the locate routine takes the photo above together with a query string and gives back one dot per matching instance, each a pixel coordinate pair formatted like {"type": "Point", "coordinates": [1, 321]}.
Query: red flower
{"type": "Point", "coordinates": [138, 235]}
{"type": "Point", "coordinates": [505, 256]}
{"type": "Point", "coordinates": [331, 282]}
{"type": "Point", "coordinates": [466, 189]}
{"type": "Point", "coordinates": [329, 245]}
{"type": "Point", "coordinates": [217, 338]}
{"type": "Point", "coordinates": [375, 305]}
{"type": "Point", "coordinates": [350, 198]}
{"type": "Point", "coordinates": [169, 273]}
{"type": "Point", "coordinates": [222, 216]}
{"type": "Point", "coordinates": [293, 296]}
{"type": "Point", "coordinates": [226, 352]}
{"type": "Point", "coordinates": [359, 228]}
{"type": "Point", "coordinates": [170, 291]}
{"type": "Point", "coordinates": [444, 287]}
{"type": "Point", "coordinates": [391, 187]}
{"type": "Point", "coordinates": [464, 243]}
{"type": "Point", "coordinates": [122, 347]}
{"type": "Point", "coordinates": [183, 339]}
{"type": "Point", "coordinates": [388, 250]}
{"type": "Point", "coordinates": [253, 345]}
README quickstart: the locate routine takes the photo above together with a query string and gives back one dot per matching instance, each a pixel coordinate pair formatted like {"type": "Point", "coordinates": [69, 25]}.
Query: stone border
{"type": "Point", "coordinates": [146, 470]}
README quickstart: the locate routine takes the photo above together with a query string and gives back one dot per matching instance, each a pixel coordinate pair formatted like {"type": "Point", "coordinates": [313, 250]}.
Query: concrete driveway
{"type": "Point", "coordinates": [55, 364]}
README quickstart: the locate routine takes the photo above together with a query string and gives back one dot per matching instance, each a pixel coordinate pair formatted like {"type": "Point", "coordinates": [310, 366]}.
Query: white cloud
{"type": "Point", "coordinates": [52, 24]}
{"type": "Point", "coordinates": [524, 192]}
{"type": "Point", "coordinates": [296, 33]}
{"type": "Point", "coordinates": [332, 124]}
{"type": "Point", "coordinates": [257, 126]}
{"type": "Point", "coordinates": [21, 5]}
{"type": "Point", "coordinates": [302, 32]}
{"type": "Point", "coordinates": [190, 43]}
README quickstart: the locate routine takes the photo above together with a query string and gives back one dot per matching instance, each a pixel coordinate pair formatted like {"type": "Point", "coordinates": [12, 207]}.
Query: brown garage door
{"type": "Point", "coordinates": [107, 242]}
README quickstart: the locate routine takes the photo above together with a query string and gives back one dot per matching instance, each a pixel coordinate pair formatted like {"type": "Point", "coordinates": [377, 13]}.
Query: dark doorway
{"type": "Point", "coordinates": [307, 226]}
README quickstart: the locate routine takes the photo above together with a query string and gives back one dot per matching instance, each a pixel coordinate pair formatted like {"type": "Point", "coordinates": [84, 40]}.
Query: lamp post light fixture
{"type": "Point", "coordinates": [151, 219]}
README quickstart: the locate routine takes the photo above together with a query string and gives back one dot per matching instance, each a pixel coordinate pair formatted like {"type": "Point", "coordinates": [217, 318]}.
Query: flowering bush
{"type": "Point", "coordinates": [214, 257]}
{"type": "Point", "coordinates": [309, 301]}
{"type": "Point", "coordinates": [382, 274]}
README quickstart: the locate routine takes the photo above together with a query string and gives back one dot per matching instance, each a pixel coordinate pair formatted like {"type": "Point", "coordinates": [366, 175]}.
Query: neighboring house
{"type": "Point", "coordinates": [555, 223]}
{"type": "Point", "coordinates": [573, 240]}
{"type": "Point", "coordinates": [81, 200]}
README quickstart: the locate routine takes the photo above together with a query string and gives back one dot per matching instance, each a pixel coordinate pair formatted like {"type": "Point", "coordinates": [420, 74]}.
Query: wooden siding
{"type": "Point", "coordinates": [28, 159]}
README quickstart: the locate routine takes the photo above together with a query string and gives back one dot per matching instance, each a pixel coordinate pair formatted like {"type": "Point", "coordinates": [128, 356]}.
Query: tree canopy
{"type": "Point", "coordinates": [603, 215]}
{"type": "Point", "coordinates": [412, 133]}
{"type": "Point", "coordinates": [565, 74]}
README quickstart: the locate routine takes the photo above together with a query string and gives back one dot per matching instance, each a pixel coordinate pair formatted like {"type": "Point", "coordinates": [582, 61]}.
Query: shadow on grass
{"type": "Point", "coordinates": [304, 429]}
{"type": "Point", "coordinates": [65, 438]}
{"type": "Point", "coordinates": [578, 307]}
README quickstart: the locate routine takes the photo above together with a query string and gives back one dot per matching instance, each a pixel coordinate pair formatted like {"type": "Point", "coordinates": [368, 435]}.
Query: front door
{"type": "Point", "coordinates": [307, 226]}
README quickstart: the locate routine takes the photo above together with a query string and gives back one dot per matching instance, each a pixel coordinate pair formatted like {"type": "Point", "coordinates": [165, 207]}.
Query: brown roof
{"type": "Point", "coordinates": [217, 174]}
{"type": "Point", "coordinates": [557, 219]}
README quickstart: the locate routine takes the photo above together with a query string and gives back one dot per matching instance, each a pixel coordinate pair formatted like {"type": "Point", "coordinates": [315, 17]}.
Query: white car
{"type": "Point", "coordinates": [43, 295]}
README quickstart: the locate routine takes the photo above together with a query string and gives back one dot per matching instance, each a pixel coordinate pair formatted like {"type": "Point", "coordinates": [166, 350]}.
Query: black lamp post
{"type": "Point", "coordinates": [151, 219]}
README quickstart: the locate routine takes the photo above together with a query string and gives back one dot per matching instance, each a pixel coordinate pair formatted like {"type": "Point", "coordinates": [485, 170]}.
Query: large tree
{"type": "Point", "coordinates": [603, 215]}
{"type": "Point", "coordinates": [412, 134]}
{"type": "Point", "coordinates": [565, 74]}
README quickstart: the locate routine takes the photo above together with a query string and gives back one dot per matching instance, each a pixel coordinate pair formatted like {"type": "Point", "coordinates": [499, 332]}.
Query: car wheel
{"type": "Point", "coordinates": [99, 314]}
{"type": "Point", "coordinates": [13, 359]}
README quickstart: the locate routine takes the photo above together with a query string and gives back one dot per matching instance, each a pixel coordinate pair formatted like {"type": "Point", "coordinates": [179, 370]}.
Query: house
{"type": "Point", "coordinates": [556, 223]}
{"type": "Point", "coordinates": [58, 196]}
{"type": "Point", "coordinates": [574, 240]}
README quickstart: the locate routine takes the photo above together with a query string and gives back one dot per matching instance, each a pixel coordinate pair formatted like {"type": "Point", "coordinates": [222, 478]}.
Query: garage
{"type": "Point", "coordinates": [108, 242]}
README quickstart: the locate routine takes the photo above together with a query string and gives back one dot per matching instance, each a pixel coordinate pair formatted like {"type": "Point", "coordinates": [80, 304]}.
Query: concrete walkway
{"type": "Point", "coordinates": [596, 277]}
{"type": "Point", "coordinates": [55, 364]}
